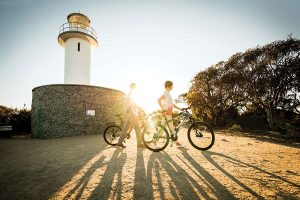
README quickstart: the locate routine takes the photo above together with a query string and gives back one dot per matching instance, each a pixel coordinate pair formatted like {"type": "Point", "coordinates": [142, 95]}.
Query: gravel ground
{"type": "Point", "coordinates": [85, 167]}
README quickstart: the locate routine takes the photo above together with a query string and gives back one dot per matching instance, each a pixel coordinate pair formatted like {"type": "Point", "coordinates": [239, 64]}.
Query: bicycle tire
{"type": "Point", "coordinates": [112, 134]}
{"type": "Point", "coordinates": [155, 137]}
{"type": "Point", "coordinates": [198, 134]}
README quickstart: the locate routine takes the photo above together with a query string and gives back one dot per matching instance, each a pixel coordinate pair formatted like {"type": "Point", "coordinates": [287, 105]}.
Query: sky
{"type": "Point", "coordinates": [142, 41]}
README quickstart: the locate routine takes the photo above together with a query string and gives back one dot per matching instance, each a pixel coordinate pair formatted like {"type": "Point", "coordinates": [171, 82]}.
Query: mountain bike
{"type": "Point", "coordinates": [156, 136]}
{"type": "Point", "coordinates": [112, 132]}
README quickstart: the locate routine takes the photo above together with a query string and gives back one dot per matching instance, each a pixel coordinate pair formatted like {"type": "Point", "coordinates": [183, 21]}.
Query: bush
{"type": "Point", "coordinates": [19, 119]}
{"type": "Point", "coordinates": [5, 115]}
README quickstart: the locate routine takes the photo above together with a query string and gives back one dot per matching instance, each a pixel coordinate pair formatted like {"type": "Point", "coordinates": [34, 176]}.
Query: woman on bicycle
{"type": "Point", "coordinates": [166, 104]}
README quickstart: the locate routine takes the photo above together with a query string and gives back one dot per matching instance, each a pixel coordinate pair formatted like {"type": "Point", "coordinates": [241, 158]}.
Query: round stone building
{"type": "Point", "coordinates": [75, 107]}
{"type": "Point", "coordinates": [68, 110]}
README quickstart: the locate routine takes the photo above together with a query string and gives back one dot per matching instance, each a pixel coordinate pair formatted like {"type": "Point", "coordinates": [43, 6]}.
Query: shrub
{"type": "Point", "coordinates": [19, 119]}
{"type": "Point", "coordinates": [5, 115]}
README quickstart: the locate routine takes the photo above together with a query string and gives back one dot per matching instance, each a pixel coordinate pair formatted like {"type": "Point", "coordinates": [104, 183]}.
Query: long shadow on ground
{"type": "Point", "coordinates": [181, 181]}
{"type": "Point", "coordinates": [210, 157]}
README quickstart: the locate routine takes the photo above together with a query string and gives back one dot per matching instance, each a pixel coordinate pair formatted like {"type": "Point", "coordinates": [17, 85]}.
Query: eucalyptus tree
{"type": "Point", "coordinates": [268, 74]}
{"type": "Point", "coordinates": [212, 93]}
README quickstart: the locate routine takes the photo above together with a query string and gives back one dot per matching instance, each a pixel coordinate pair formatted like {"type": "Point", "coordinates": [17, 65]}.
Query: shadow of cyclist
{"type": "Point", "coordinates": [142, 183]}
{"type": "Point", "coordinates": [209, 157]}
{"type": "Point", "coordinates": [182, 184]}
{"type": "Point", "coordinates": [103, 189]}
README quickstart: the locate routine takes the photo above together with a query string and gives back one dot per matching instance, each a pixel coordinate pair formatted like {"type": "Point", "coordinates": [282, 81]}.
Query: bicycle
{"type": "Point", "coordinates": [156, 137]}
{"type": "Point", "coordinates": [112, 132]}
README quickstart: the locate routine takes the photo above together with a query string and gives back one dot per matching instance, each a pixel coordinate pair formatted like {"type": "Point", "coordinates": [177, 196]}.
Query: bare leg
{"type": "Point", "coordinates": [170, 123]}
{"type": "Point", "coordinates": [124, 131]}
{"type": "Point", "coordinates": [137, 128]}
{"type": "Point", "coordinates": [171, 127]}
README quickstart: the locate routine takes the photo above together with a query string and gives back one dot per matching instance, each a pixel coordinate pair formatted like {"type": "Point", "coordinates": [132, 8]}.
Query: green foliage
{"type": "Point", "coordinates": [266, 77]}
{"type": "Point", "coordinates": [19, 119]}
{"type": "Point", "coordinates": [5, 115]}
{"type": "Point", "coordinates": [213, 94]}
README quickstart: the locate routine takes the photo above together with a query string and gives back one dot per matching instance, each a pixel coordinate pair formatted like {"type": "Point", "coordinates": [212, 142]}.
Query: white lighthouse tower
{"type": "Point", "coordinates": [75, 107]}
{"type": "Point", "coordinates": [78, 38]}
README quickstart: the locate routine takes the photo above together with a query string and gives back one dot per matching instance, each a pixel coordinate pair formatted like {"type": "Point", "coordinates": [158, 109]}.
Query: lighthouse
{"type": "Point", "coordinates": [75, 107]}
{"type": "Point", "coordinates": [78, 38]}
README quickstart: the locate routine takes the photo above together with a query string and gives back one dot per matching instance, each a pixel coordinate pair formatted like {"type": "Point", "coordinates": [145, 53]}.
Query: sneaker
{"type": "Point", "coordinates": [121, 145]}
{"type": "Point", "coordinates": [178, 145]}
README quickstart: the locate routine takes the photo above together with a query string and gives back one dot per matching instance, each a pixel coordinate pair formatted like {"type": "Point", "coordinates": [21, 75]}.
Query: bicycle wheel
{"type": "Point", "coordinates": [201, 136]}
{"type": "Point", "coordinates": [112, 134]}
{"type": "Point", "coordinates": [155, 137]}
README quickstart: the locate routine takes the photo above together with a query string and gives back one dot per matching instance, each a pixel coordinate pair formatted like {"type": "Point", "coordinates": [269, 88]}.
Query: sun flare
{"type": "Point", "coordinates": [149, 87]}
{"type": "Point", "coordinates": [146, 100]}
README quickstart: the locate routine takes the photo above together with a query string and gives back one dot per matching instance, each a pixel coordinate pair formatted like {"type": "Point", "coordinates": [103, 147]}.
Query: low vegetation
{"type": "Point", "coordinates": [19, 119]}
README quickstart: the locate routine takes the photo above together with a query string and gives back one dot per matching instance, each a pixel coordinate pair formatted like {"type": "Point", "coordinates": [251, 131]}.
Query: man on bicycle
{"type": "Point", "coordinates": [133, 112]}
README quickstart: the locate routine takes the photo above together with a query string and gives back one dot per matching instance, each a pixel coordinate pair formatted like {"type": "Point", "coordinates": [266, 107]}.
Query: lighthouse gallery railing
{"type": "Point", "coordinates": [83, 28]}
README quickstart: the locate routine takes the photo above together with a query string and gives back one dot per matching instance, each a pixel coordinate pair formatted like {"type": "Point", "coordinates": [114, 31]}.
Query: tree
{"type": "Point", "coordinates": [210, 94]}
{"type": "Point", "coordinates": [269, 74]}
{"type": "Point", "coordinates": [266, 76]}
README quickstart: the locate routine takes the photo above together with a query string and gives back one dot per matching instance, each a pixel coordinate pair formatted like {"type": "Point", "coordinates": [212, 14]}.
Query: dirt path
{"type": "Point", "coordinates": [84, 167]}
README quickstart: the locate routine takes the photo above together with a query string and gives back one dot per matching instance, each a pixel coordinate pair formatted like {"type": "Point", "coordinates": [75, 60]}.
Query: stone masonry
{"type": "Point", "coordinates": [63, 110]}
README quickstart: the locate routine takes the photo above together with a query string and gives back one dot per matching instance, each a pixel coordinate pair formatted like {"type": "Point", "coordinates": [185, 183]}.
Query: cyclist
{"type": "Point", "coordinates": [133, 112]}
{"type": "Point", "coordinates": [166, 104]}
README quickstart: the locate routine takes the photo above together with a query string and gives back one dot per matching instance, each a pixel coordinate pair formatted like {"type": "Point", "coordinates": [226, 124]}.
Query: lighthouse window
{"type": "Point", "coordinates": [78, 46]}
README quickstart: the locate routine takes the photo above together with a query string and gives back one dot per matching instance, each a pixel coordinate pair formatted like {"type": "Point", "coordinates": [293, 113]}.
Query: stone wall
{"type": "Point", "coordinates": [61, 110]}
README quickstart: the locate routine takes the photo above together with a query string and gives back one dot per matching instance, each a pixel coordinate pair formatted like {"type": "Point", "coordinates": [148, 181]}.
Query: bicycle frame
{"type": "Point", "coordinates": [200, 135]}
{"type": "Point", "coordinates": [176, 128]}
{"type": "Point", "coordinates": [183, 119]}
{"type": "Point", "coordinates": [120, 119]}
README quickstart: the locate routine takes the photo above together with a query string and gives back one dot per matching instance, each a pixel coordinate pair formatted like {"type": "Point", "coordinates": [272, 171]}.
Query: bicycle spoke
{"type": "Point", "coordinates": [201, 136]}
{"type": "Point", "coordinates": [155, 138]}
{"type": "Point", "coordinates": [112, 134]}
